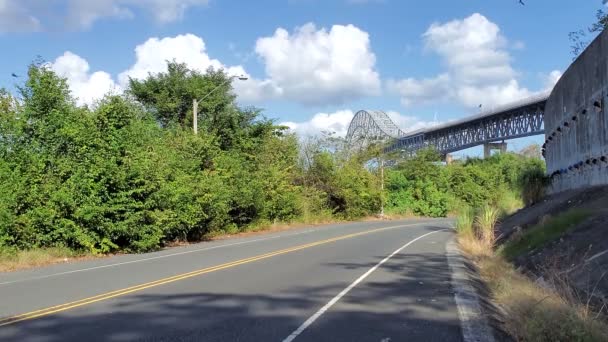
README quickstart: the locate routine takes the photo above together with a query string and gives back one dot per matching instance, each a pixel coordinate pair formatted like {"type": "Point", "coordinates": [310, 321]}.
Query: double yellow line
{"type": "Point", "coordinates": [122, 292]}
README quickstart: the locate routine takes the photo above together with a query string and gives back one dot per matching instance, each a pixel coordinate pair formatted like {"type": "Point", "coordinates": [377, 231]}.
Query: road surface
{"type": "Point", "coordinates": [374, 281]}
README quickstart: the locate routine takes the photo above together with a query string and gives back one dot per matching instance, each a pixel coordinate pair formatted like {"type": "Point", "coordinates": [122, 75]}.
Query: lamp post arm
{"type": "Point", "coordinates": [216, 88]}
{"type": "Point", "coordinates": [196, 102]}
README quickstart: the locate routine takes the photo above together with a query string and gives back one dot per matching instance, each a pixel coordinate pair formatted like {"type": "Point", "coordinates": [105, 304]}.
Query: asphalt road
{"type": "Point", "coordinates": [374, 281]}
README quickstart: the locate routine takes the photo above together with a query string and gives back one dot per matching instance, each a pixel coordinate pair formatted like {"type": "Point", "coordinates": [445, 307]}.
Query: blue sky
{"type": "Point", "coordinates": [311, 63]}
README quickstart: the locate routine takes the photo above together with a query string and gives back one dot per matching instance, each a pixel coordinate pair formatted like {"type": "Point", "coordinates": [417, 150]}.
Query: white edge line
{"type": "Point", "coordinates": [168, 255]}
{"type": "Point", "coordinates": [473, 324]}
{"type": "Point", "coordinates": [148, 259]}
{"type": "Point", "coordinates": [334, 300]}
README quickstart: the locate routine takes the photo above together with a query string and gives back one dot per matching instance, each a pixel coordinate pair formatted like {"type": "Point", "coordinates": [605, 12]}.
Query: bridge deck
{"type": "Point", "coordinates": [514, 120]}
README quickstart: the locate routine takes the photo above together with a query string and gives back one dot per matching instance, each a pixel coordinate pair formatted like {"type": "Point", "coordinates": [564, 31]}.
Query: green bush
{"type": "Point", "coordinates": [127, 174]}
{"type": "Point", "coordinates": [424, 187]}
{"type": "Point", "coordinates": [533, 182]}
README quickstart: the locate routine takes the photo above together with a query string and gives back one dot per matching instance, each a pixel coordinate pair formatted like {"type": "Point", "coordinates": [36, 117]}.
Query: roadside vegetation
{"type": "Point", "coordinates": [423, 186]}
{"type": "Point", "coordinates": [128, 174]}
{"type": "Point", "coordinates": [542, 233]}
{"type": "Point", "coordinates": [530, 311]}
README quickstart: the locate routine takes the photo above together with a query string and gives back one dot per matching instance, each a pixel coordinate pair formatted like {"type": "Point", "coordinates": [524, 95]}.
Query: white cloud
{"type": "Point", "coordinates": [86, 87]}
{"type": "Point", "coordinates": [478, 66]}
{"type": "Point", "coordinates": [339, 121]}
{"type": "Point", "coordinates": [410, 123]}
{"type": "Point", "coordinates": [331, 122]}
{"type": "Point", "coordinates": [151, 57]}
{"type": "Point", "coordinates": [14, 17]}
{"type": "Point", "coordinates": [550, 79]}
{"type": "Point", "coordinates": [153, 54]}
{"type": "Point", "coordinates": [422, 91]}
{"type": "Point", "coordinates": [314, 67]}
{"type": "Point", "coordinates": [26, 15]}
{"type": "Point", "coordinates": [518, 45]}
{"type": "Point", "coordinates": [310, 67]}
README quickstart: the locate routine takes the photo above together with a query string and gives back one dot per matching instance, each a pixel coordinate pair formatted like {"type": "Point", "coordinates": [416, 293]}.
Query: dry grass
{"type": "Point", "coordinates": [16, 260]}
{"type": "Point", "coordinates": [263, 227]}
{"type": "Point", "coordinates": [474, 246]}
{"type": "Point", "coordinates": [531, 312]}
{"type": "Point", "coordinates": [12, 260]}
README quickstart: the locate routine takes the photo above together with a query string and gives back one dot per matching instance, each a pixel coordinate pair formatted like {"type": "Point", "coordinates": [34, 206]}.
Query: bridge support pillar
{"type": "Point", "coordinates": [488, 147]}
{"type": "Point", "coordinates": [449, 159]}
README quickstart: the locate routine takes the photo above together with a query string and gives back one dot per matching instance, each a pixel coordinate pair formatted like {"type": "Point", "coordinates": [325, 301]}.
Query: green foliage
{"type": "Point", "coordinates": [129, 175]}
{"type": "Point", "coordinates": [344, 186]}
{"type": "Point", "coordinates": [418, 186]}
{"type": "Point", "coordinates": [533, 182]}
{"type": "Point", "coordinates": [542, 233]}
{"type": "Point", "coordinates": [485, 223]}
{"type": "Point", "coordinates": [169, 96]}
{"type": "Point", "coordinates": [465, 221]}
{"type": "Point", "coordinates": [425, 187]}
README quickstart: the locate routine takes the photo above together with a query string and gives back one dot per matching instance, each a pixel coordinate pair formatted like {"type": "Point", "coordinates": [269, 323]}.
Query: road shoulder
{"type": "Point", "coordinates": [474, 324]}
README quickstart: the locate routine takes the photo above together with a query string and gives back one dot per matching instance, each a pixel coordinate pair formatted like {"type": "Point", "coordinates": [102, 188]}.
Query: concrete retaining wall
{"type": "Point", "coordinates": [576, 122]}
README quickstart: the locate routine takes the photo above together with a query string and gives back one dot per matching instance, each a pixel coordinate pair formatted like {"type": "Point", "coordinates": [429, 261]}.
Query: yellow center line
{"type": "Point", "coordinates": [140, 287]}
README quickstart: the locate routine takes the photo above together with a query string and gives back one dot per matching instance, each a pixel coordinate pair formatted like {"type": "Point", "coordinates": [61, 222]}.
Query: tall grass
{"type": "Point", "coordinates": [476, 229]}
{"type": "Point", "coordinates": [534, 313]}
{"type": "Point", "coordinates": [509, 203]}
{"type": "Point", "coordinates": [464, 222]}
{"type": "Point", "coordinates": [531, 312]}
{"type": "Point", "coordinates": [485, 223]}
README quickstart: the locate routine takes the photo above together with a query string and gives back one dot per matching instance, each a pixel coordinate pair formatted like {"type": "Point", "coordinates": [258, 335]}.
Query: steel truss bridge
{"type": "Point", "coordinates": [515, 120]}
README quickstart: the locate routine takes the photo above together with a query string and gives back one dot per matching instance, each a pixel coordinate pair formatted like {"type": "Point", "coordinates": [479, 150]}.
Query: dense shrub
{"type": "Point", "coordinates": [425, 187]}
{"type": "Point", "coordinates": [129, 174]}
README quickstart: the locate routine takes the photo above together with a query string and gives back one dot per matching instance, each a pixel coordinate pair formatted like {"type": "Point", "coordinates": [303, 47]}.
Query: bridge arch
{"type": "Point", "coordinates": [371, 125]}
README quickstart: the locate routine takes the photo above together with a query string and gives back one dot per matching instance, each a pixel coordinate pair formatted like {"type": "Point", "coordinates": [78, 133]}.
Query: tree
{"type": "Point", "coordinates": [130, 175]}
{"type": "Point", "coordinates": [168, 95]}
{"type": "Point", "coordinates": [578, 39]}
{"type": "Point", "coordinates": [531, 151]}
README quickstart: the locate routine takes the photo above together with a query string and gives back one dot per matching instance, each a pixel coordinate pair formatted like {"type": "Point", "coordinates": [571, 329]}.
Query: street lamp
{"type": "Point", "coordinates": [196, 102]}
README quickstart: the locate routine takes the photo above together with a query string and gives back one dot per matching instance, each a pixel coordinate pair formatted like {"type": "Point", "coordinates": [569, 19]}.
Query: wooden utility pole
{"type": "Point", "coordinates": [382, 187]}
{"type": "Point", "coordinates": [195, 116]}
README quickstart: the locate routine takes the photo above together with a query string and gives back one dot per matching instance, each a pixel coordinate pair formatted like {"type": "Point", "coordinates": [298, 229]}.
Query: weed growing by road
{"type": "Point", "coordinates": [530, 312]}
{"type": "Point", "coordinates": [485, 223]}
{"type": "Point", "coordinates": [13, 259]}
{"type": "Point", "coordinates": [464, 222]}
